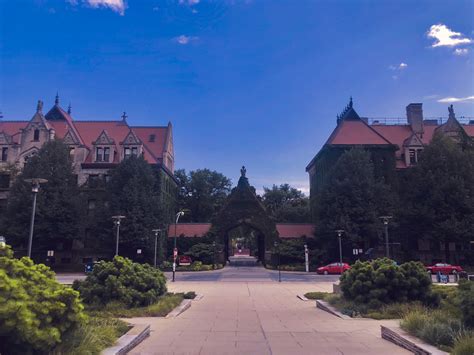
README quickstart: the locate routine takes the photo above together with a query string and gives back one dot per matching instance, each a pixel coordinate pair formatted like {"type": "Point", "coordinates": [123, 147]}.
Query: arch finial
{"type": "Point", "coordinates": [56, 100]}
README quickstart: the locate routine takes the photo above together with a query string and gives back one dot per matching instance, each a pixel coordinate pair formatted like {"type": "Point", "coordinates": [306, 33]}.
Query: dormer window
{"type": "Point", "coordinates": [102, 154]}
{"type": "Point", "coordinates": [36, 135]}
{"type": "Point", "coordinates": [151, 138]}
{"type": "Point", "coordinates": [414, 155]}
{"type": "Point", "coordinates": [4, 153]}
{"type": "Point", "coordinates": [129, 151]}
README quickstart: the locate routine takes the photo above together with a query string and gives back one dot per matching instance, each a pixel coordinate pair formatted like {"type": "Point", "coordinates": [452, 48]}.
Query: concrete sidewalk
{"type": "Point", "coordinates": [260, 318]}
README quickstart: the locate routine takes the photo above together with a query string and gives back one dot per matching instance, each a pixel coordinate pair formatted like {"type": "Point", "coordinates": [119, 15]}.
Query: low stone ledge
{"type": "Point", "coordinates": [325, 306]}
{"type": "Point", "coordinates": [129, 340]}
{"type": "Point", "coordinates": [198, 297]}
{"type": "Point", "coordinates": [184, 305]}
{"type": "Point", "coordinates": [302, 297]}
{"type": "Point", "coordinates": [401, 338]}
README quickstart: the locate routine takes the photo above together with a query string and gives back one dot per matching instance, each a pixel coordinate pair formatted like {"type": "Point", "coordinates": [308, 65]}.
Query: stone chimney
{"type": "Point", "coordinates": [415, 117]}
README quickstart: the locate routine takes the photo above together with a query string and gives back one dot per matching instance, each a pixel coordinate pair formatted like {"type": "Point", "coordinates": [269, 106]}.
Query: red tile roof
{"type": "Point", "coordinates": [285, 230]}
{"type": "Point", "coordinates": [356, 132]}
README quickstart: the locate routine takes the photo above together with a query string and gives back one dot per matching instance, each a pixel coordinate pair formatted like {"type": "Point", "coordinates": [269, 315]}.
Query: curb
{"type": "Point", "coordinates": [184, 305]}
{"type": "Point", "coordinates": [198, 297]}
{"type": "Point", "coordinates": [129, 340]}
{"type": "Point", "coordinates": [330, 309]}
{"type": "Point", "coordinates": [403, 339]}
{"type": "Point", "coordinates": [302, 297]}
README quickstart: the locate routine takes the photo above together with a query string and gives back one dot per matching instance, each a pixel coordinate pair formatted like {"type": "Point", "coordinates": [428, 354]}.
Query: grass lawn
{"type": "Point", "coordinates": [317, 295]}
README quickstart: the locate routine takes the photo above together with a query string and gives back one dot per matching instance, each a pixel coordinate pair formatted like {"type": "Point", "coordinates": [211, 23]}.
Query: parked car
{"type": "Point", "coordinates": [184, 260]}
{"type": "Point", "coordinates": [444, 268]}
{"type": "Point", "coordinates": [334, 268]}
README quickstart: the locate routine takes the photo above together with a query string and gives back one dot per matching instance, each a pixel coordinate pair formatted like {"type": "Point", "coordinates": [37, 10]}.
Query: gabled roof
{"type": "Point", "coordinates": [356, 132]}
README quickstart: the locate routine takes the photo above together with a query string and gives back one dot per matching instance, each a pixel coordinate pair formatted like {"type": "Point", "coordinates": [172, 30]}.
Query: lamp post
{"type": "Point", "coordinates": [117, 220]}
{"type": "Point", "coordinates": [214, 253]}
{"type": "Point", "coordinates": [339, 236]}
{"type": "Point", "coordinates": [35, 185]}
{"type": "Point", "coordinates": [175, 251]}
{"type": "Point", "coordinates": [156, 231]}
{"type": "Point", "coordinates": [386, 220]}
{"type": "Point", "coordinates": [278, 258]}
{"type": "Point", "coordinates": [306, 258]}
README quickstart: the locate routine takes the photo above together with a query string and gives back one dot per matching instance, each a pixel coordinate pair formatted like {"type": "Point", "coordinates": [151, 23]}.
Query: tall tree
{"type": "Point", "coordinates": [438, 196]}
{"type": "Point", "coordinates": [353, 199]}
{"type": "Point", "coordinates": [133, 191]}
{"type": "Point", "coordinates": [202, 192]}
{"type": "Point", "coordinates": [286, 204]}
{"type": "Point", "coordinates": [58, 212]}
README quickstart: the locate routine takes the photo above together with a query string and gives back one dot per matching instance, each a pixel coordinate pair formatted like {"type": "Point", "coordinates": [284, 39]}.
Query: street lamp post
{"type": "Point", "coordinates": [386, 220]}
{"type": "Point", "coordinates": [339, 236]}
{"type": "Point", "coordinates": [117, 220]}
{"type": "Point", "coordinates": [35, 185]}
{"type": "Point", "coordinates": [156, 231]}
{"type": "Point", "coordinates": [175, 254]}
{"type": "Point", "coordinates": [278, 258]}
{"type": "Point", "coordinates": [306, 257]}
{"type": "Point", "coordinates": [214, 253]}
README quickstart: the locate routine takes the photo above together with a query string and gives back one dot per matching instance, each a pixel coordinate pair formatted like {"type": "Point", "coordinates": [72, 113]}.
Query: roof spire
{"type": "Point", "coordinates": [124, 116]}
{"type": "Point", "coordinates": [39, 106]}
{"type": "Point", "coordinates": [69, 109]}
{"type": "Point", "coordinates": [451, 111]}
{"type": "Point", "coordinates": [56, 100]}
{"type": "Point", "coordinates": [350, 102]}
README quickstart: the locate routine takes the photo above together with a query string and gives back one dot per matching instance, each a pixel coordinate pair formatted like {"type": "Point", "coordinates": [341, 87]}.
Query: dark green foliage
{"type": "Point", "coordinates": [202, 192]}
{"type": "Point", "coordinates": [58, 212]}
{"type": "Point", "coordinates": [381, 281]}
{"type": "Point", "coordinates": [35, 310]}
{"type": "Point", "coordinates": [189, 295]}
{"type": "Point", "coordinates": [466, 302]}
{"type": "Point", "coordinates": [438, 196]}
{"type": "Point", "coordinates": [133, 191]}
{"type": "Point", "coordinates": [121, 280]}
{"type": "Point", "coordinates": [202, 252]}
{"type": "Point", "coordinates": [352, 200]}
{"type": "Point", "coordinates": [285, 204]}
{"type": "Point", "coordinates": [291, 250]}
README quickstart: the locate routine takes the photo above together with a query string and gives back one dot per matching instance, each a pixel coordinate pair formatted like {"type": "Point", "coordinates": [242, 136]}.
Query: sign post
{"type": "Point", "coordinates": [306, 258]}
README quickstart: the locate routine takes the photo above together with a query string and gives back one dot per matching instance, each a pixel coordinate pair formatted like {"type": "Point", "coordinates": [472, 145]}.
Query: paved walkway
{"type": "Point", "coordinates": [260, 318]}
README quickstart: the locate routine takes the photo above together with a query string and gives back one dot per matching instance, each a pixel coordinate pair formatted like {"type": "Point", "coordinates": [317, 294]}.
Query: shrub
{"type": "Point", "coordinates": [189, 295]}
{"type": "Point", "coordinates": [35, 310]}
{"type": "Point", "coordinates": [466, 302]}
{"type": "Point", "coordinates": [124, 281]}
{"type": "Point", "coordinates": [317, 295]}
{"type": "Point", "coordinates": [381, 281]}
{"type": "Point", "coordinates": [464, 345]}
{"type": "Point", "coordinates": [203, 252]}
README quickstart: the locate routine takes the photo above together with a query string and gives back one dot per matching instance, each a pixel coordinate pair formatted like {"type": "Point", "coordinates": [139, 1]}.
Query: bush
{"type": "Point", "coordinates": [189, 295]}
{"type": "Point", "coordinates": [466, 302]}
{"type": "Point", "coordinates": [35, 310]}
{"type": "Point", "coordinates": [203, 252]}
{"type": "Point", "coordinates": [317, 295]}
{"type": "Point", "coordinates": [381, 281]}
{"type": "Point", "coordinates": [121, 280]}
{"type": "Point", "coordinates": [464, 345]}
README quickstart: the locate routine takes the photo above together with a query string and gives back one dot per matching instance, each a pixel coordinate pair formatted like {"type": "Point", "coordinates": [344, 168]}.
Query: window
{"type": "Point", "coordinates": [99, 154]}
{"type": "Point", "coordinates": [127, 152]}
{"type": "Point", "coordinates": [134, 151]}
{"type": "Point", "coordinates": [4, 153]}
{"type": "Point", "coordinates": [4, 181]}
{"type": "Point", "coordinates": [412, 153]}
{"type": "Point", "coordinates": [36, 135]}
{"type": "Point", "coordinates": [106, 154]}
{"type": "Point", "coordinates": [151, 138]}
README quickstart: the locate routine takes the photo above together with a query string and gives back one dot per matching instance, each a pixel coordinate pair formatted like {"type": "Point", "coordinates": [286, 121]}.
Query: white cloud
{"type": "Point", "coordinates": [461, 51]}
{"type": "Point", "coordinates": [447, 100]}
{"type": "Point", "coordinates": [430, 97]}
{"type": "Point", "coordinates": [446, 37]}
{"type": "Point", "coordinates": [115, 5]}
{"type": "Point", "coordinates": [400, 66]}
{"type": "Point", "coordinates": [189, 2]}
{"type": "Point", "coordinates": [183, 39]}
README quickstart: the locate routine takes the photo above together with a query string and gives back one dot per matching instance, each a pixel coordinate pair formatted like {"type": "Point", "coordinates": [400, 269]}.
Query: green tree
{"type": "Point", "coordinates": [202, 192]}
{"type": "Point", "coordinates": [438, 196]}
{"type": "Point", "coordinates": [58, 209]}
{"type": "Point", "coordinates": [35, 310]}
{"type": "Point", "coordinates": [133, 191]}
{"type": "Point", "coordinates": [286, 204]}
{"type": "Point", "coordinates": [352, 200]}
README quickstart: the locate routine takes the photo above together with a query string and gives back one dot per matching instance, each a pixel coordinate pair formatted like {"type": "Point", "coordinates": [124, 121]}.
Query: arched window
{"type": "Point", "coordinates": [36, 135]}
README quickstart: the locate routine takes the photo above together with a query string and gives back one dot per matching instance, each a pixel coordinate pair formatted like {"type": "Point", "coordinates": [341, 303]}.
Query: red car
{"type": "Point", "coordinates": [444, 268]}
{"type": "Point", "coordinates": [334, 268]}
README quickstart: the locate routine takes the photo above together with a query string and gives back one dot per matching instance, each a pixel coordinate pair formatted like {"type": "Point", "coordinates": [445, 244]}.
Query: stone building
{"type": "Point", "coordinates": [95, 146]}
{"type": "Point", "coordinates": [394, 144]}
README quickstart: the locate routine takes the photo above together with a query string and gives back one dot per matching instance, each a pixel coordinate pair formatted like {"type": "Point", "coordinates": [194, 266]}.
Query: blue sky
{"type": "Point", "coordinates": [243, 82]}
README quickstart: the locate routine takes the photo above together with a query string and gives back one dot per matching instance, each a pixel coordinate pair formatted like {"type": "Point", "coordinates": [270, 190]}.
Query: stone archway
{"type": "Point", "coordinates": [242, 207]}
